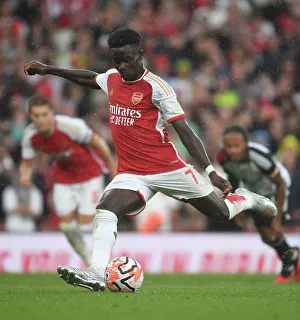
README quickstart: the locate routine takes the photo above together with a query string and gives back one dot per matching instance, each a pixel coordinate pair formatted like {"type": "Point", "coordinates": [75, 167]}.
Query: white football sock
{"type": "Point", "coordinates": [104, 238]}
{"type": "Point", "coordinates": [238, 203]}
{"type": "Point", "coordinates": [74, 235]}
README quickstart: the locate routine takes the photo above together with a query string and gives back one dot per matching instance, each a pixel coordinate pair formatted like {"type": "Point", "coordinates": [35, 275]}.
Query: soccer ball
{"type": "Point", "coordinates": [124, 274]}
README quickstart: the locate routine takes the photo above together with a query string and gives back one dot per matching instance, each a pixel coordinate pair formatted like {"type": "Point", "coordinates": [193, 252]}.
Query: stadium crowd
{"type": "Point", "coordinates": [229, 62]}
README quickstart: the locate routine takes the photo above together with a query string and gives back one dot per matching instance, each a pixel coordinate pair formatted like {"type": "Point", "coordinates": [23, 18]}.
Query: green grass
{"type": "Point", "coordinates": [184, 297]}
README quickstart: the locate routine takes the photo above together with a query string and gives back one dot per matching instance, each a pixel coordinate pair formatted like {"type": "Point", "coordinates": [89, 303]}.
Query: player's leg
{"type": "Point", "coordinates": [275, 239]}
{"type": "Point", "coordinates": [114, 203]}
{"type": "Point", "coordinates": [88, 195]}
{"type": "Point", "coordinates": [122, 196]}
{"type": "Point", "coordinates": [189, 186]}
{"type": "Point", "coordinates": [212, 206]}
{"type": "Point", "coordinates": [65, 205]}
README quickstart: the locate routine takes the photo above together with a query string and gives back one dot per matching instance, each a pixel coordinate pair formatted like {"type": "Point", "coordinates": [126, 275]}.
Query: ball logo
{"type": "Point", "coordinates": [137, 98]}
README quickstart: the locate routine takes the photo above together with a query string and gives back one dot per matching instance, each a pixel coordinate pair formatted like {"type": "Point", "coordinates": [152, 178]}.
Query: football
{"type": "Point", "coordinates": [124, 274]}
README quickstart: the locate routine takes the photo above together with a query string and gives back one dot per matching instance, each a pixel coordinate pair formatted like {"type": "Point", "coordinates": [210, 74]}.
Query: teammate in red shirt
{"type": "Point", "coordinates": [141, 104]}
{"type": "Point", "coordinates": [80, 156]}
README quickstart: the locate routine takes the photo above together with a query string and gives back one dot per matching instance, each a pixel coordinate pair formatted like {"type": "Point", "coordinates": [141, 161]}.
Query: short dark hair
{"type": "Point", "coordinates": [37, 101]}
{"type": "Point", "coordinates": [124, 36]}
{"type": "Point", "coordinates": [236, 129]}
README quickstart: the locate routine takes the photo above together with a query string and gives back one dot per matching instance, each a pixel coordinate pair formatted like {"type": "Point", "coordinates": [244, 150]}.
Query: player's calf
{"type": "Point", "coordinates": [211, 206]}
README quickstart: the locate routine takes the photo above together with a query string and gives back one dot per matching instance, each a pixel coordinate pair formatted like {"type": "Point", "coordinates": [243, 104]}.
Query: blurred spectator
{"type": "Point", "coordinates": [23, 206]}
{"type": "Point", "coordinates": [7, 166]}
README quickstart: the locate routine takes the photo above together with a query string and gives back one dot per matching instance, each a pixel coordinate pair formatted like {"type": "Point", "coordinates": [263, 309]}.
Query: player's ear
{"type": "Point", "coordinates": [141, 53]}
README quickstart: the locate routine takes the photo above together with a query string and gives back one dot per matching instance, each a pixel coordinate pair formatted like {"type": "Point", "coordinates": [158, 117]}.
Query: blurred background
{"type": "Point", "coordinates": [229, 62]}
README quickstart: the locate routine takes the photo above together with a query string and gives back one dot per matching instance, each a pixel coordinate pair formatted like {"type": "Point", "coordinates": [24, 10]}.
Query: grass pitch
{"type": "Point", "coordinates": [184, 297]}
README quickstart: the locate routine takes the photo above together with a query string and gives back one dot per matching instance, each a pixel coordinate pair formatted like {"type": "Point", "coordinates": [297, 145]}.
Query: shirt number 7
{"type": "Point", "coordinates": [190, 171]}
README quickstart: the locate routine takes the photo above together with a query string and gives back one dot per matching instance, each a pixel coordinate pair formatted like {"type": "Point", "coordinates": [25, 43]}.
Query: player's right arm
{"type": "Point", "coordinates": [82, 77]}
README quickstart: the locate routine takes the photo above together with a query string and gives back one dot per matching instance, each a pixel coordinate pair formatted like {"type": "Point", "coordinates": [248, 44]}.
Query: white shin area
{"type": "Point", "coordinates": [236, 204]}
{"type": "Point", "coordinates": [104, 238]}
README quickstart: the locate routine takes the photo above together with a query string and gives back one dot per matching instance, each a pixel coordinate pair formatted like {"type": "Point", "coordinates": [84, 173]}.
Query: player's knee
{"type": "Point", "coordinates": [103, 206]}
{"type": "Point", "coordinates": [107, 206]}
{"type": "Point", "coordinates": [100, 206]}
{"type": "Point", "coordinates": [105, 215]}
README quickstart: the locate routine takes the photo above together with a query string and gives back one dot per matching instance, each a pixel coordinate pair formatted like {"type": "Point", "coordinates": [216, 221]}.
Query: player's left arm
{"type": "Point", "coordinates": [165, 99]}
{"type": "Point", "coordinates": [98, 143]}
{"type": "Point", "coordinates": [196, 149]}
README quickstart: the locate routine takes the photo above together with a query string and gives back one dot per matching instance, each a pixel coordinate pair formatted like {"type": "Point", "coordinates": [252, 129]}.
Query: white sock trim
{"type": "Point", "coordinates": [66, 226]}
{"type": "Point", "coordinates": [235, 206]}
{"type": "Point", "coordinates": [106, 215]}
{"type": "Point", "coordinates": [87, 227]}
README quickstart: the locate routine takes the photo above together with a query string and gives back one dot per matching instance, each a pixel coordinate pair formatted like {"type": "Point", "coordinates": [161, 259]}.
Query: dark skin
{"type": "Point", "coordinates": [128, 61]}
{"type": "Point", "coordinates": [235, 146]}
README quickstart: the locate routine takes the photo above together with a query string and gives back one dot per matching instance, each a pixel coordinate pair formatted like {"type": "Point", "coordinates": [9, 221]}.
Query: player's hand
{"type": "Point", "coordinates": [221, 184]}
{"type": "Point", "coordinates": [25, 180]}
{"type": "Point", "coordinates": [35, 67]}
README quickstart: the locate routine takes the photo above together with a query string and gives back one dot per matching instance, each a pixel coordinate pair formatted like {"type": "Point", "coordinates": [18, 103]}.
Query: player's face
{"type": "Point", "coordinates": [128, 61]}
{"type": "Point", "coordinates": [235, 146]}
{"type": "Point", "coordinates": [42, 117]}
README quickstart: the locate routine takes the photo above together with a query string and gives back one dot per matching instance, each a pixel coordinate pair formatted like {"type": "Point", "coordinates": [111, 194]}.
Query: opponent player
{"type": "Point", "coordinates": [254, 166]}
{"type": "Point", "coordinates": [141, 104]}
{"type": "Point", "coordinates": [79, 155]}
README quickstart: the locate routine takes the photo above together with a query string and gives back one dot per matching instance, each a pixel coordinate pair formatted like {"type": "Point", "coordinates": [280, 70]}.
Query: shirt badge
{"type": "Point", "coordinates": [137, 98]}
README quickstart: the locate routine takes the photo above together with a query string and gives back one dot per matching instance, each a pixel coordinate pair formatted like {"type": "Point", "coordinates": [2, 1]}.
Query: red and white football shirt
{"type": "Point", "coordinates": [139, 111]}
{"type": "Point", "coordinates": [75, 161]}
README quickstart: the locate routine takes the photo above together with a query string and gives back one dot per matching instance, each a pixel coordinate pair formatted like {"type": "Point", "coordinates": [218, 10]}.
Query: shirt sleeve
{"type": "Point", "coordinates": [263, 159]}
{"type": "Point", "coordinates": [28, 152]}
{"type": "Point", "coordinates": [171, 109]}
{"type": "Point", "coordinates": [101, 79]}
{"type": "Point", "coordinates": [75, 128]}
{"type": "Point", "coordinates": [165, 99]}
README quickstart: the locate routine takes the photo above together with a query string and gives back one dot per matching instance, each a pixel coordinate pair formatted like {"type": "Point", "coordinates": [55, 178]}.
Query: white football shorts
{"type": "Point", "coordinates": [184, 183]}
{"type": "Point", "coordinates": [81, 197]}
